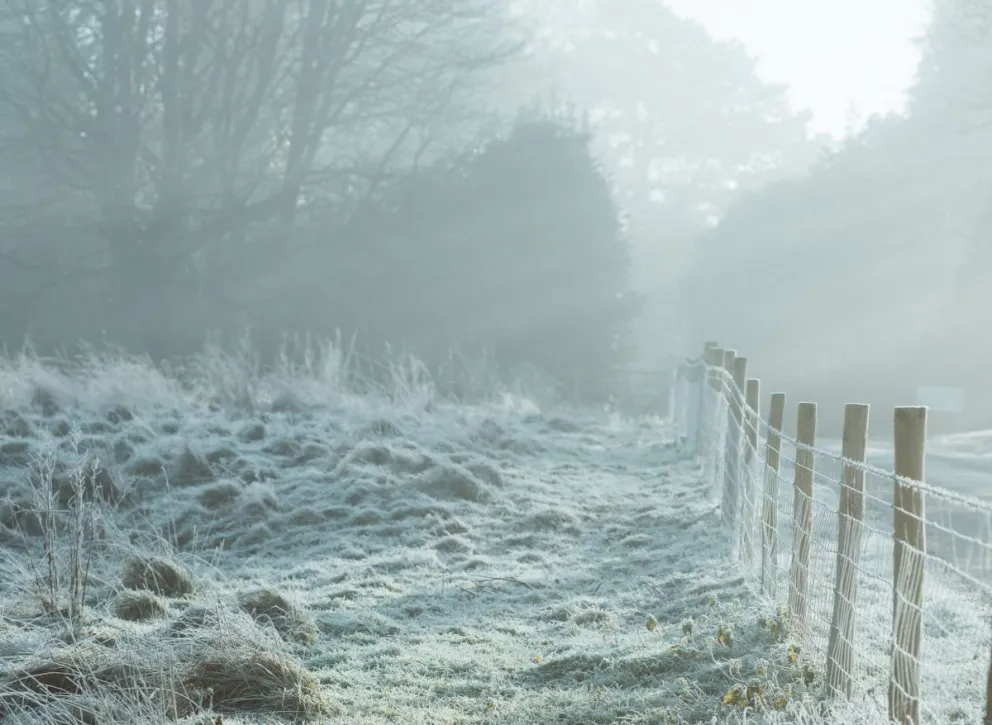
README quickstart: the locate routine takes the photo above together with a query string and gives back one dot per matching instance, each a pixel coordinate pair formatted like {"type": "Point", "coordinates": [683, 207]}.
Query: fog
{"type": "Point", "coordinates": [339, 337]}
{"type": "Point", "coordinates": [580, 189]}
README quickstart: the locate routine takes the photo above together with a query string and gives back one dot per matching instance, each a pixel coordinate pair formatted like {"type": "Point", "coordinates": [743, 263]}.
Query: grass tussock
{"type": "Point", "coordinates": [269, 606]}
{"type": "Point", "coordinates": [256, 681]}
{"type": "Point", "coordinates": [139, 606]}
{"type": "Point", "coordinates": [148, 678]}
{"type": "Point", "coordinates": [191, 468]}
{"type": "Point", "coordinates": [86, 670]}
{"type": "Point", "coordinates": [157, 575]}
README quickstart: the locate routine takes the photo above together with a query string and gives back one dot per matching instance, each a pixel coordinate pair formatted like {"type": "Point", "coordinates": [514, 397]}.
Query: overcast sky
{"type": "Point", "coordinates": [834, 55]}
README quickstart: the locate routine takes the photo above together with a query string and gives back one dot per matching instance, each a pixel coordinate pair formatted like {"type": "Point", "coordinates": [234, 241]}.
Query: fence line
{"type": "Point", "coordinates": [885, 579]}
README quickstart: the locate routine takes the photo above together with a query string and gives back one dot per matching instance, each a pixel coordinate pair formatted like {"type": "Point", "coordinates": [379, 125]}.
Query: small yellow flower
{"type": "Point", "coordinates": [724, 636]}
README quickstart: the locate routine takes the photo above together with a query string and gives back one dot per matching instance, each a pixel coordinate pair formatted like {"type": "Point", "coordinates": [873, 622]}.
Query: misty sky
{"type": "Point", "coordinates": [834, 55]}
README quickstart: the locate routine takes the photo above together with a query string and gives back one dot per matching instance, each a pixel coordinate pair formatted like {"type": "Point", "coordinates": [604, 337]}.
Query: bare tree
{"type": "Point", "coordinates": [170, 127]}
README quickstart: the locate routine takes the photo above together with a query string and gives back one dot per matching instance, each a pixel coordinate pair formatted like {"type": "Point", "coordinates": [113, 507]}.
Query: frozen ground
{"type": "Point", "coordinates": [275, 547]}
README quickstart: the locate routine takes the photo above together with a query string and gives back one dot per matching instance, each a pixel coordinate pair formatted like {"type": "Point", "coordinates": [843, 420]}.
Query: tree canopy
{"type": "Point", "coordinates": [168, 131]}
{"type": "Point", "coordinates": [516, 249]}
{"type": "Point", "coordinates": [879, 255]}
{"type": "Point", "coordinates": [684, 125]}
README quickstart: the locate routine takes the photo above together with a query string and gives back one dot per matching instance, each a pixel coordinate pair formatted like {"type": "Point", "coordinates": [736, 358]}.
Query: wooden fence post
{"type": "Point", "coordinates": [802, 509]}
{"type": "Point", "coordinates": [716, 360]}
{"type": "Point", "coordinates": [988, 696]}
{"type": "Point", "coordinates": [769, 529]}
{"type": "Point", "coordinates": [753, 393]}
{"type": "Point", "coordinates": [850, 525]}
{"type": "Point", "coordinates": [737, 367]}
{"type": "Point", "coordinates": [711, 435]}
{"type": "Point", "coordinates": [751, 413]}
{"type": "Point", "coordinates": [697, 428]}
{"type": "Point", "coordinates": [728, 364]}
{"type": "Point", "coordinates": [725, 395]}
{"type": "Point", "coordinates": [908, 557]}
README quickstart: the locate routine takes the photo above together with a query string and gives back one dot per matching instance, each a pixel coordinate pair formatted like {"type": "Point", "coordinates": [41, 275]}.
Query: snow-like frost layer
{"type": "Point", "coordinates": [416, 561]}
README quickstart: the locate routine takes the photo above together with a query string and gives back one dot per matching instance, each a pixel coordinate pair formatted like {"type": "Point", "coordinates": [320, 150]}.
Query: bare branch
{"type": "Point", "coordinates": [188, 121]}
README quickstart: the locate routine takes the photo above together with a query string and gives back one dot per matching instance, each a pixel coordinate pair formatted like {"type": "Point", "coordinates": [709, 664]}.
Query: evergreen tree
{"type": "Point", "coordinates": [518, 250]}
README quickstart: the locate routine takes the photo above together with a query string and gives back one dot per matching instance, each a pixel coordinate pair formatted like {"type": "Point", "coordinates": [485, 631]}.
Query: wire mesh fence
{"type": "Point", "coordinates": [883, 580]}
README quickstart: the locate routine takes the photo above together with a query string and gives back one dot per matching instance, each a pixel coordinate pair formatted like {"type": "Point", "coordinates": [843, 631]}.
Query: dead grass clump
{"type": "Point", "coordinates": [452, 543]}
{"type": "Point", "coordinates": [94, 430]}
{"type": "Point", "coordinates": [92, 483]}
{"type": "Point", "coordinates": [60, 428]}
{"type": "Point", "coordinates": [15, 453]}
{"type": "Point", "coordinates": [550, 520]}
{"type": "Point", "coordinates": [403, 510]}
{"type": "Point", "coordinates": [43, 677]}
{"type": "Point", "coordinates": [288, 402]}
{"type": "Point", "coordinates": [15, 425]}
{"type": "Point", "coordinates": [70, 710]}
{"type": "Point", "coordinates": [190, 469]}
{"type": "Point", "coordinates": [123, 451]}
{"type": "Point", "coordinates": [361, 625]}
{"type": "Point", "coordinates": [119, 414]}
{"type": "Point", "coordinates": [285, 447]}
{"type": "Point", "coordinates": [252, 432]}
{"type": "Point", "coordinates": [637, 541]}
{"type": "Point", "coordinates": [20, 517]}
{"type": "Point", "coordinates": [256, 474]}
{"type": "Point", "coordinates": [257, 537]}
{"type": "Point", "coordinates": [267, 605]}
{"type": "Point", "coordinates": [220, 454]}
{"type": "Point", "coordinates": [193, 619]}
{"type": "Point", "coordinates": [593, 615]}
{"type": "Point", "coordinates": [453, 482]}
{"type": "Point", "coordinates": [627, 673]}
{"type": "Point", "coordinates": [309, 453]}
{"type": "Point", "coordinates": [219, 494]}
{"type": "Point", "coordinates": [135, 606]}
{"type": "Point", "coordinates": [485, 471]}
{"type": "Point", "coordinates": [157, 575]}
{"type": "Point", "coordinates": [306, 517]}
{"type": "Point", "coordinates": [258, 501]}
{"type": "Point", "coordinates": [381, 428]}
{"type": "Point", "coordinates": [454, 526]}
{"type": "Point", "coordinates": [146, 467]}
{"type": "Point", "coordinates": [558, 424]}
{"type": "Point", "coordinates": [475, 563]}
{"type": "Point", "coordinates": [84, 679]}
{"type": "Point", "coordinates": [365, 453]}
{"type": "Point", "coordinates": [68, 670]}
{"type": "Point", "coordinates": [255, 680]}
{"type": "Point", "coordinates": [366, 516]}
{"type": "Point", "coordinates": [46, 399]}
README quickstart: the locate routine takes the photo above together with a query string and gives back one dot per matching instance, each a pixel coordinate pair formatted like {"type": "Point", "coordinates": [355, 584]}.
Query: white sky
{"type": "Point", "coordinates": [836, 55]}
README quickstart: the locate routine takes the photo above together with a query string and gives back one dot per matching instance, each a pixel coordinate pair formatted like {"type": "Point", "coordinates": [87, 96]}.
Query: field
{"type": "Point", "coordinates": [219, 545]}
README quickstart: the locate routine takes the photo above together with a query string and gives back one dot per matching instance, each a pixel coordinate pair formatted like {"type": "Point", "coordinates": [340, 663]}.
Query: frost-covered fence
{"type": "Point", "coordinates": [884, 582]}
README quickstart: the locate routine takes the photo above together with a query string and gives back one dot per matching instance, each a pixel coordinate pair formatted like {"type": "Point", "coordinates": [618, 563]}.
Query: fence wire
{"type": "Point", "coordinates": [835, 573]}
